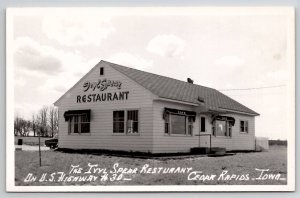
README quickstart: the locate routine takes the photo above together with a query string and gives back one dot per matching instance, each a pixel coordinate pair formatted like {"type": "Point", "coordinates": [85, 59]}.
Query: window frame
{"type": "Point", "coordinates": [168, 123]}
{"type": "Point", "coordinates": [190, 125]}
{"type": "Point", "coordinates": [126, 122]}
{"type": "Point", "coordinates": [84, 122]}
{"type": "Point", "coordinates": [228, 132]}
{"type": "Point", "coordinates": [71, 125]}
{"type": "Point", "coordinates": [101, 72]}
{"type": "Point", "coordinates": [245, 127]}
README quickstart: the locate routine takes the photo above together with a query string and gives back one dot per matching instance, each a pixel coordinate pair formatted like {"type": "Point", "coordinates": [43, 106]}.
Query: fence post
{"type": "Point", "coordinates": [40, 149]}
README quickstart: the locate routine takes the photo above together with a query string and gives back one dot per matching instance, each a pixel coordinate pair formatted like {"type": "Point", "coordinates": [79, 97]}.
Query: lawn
{"type": "Point", "coordinates": [60, 168]}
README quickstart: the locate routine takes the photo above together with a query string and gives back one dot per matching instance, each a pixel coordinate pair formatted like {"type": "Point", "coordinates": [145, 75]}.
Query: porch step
{"type": "Point", "coordinates": [200, 150]}
{"type": "Point", "coordinates": [207, 150]}
{"type": "Point", "coordinates": [218, 150]}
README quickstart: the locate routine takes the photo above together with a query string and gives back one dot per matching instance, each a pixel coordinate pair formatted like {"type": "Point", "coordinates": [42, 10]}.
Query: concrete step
{"type": "Point", "coordinates": [218, 150]}
{"type": "Point", "coordinates": [200, 150]}
{"type": "Point", "coordinates": [207, 150]}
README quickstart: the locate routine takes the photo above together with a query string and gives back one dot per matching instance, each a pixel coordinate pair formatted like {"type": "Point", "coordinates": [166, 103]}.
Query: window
{"type": "Point", "coordinates": [190, 125]}
{"type": "Point", "coordinates": [118, 121]}
{"type": "Point", "coordinates": [85, 124]}
{"type": "Point", "coordinates": [101, 71]}
{"type": "Point", "coordinates": [243, 126]}
{"type": "Point", "coordinates": [79, 124]}
{"type": "Point", "coordinates": [132, 121]}
{"type": "Point", "coordinates": [70, 125]}
{"type": "Point", "coordinates": [167, 123]}
{"type": "Point", "coordinates": [76, 124]}
{"type": "Point", "coordinates": [222, 128]}
{"type": "Point", "coordinates": [202, 124]}
{"type": "Point", "coordinates": [178, 124]}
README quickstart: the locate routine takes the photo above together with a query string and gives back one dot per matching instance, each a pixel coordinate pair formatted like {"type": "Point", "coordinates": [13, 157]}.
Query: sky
{"type": "Point", "coordinates": [54, 48]}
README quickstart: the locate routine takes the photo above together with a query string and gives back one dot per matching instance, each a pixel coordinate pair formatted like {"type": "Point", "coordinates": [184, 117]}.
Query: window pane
{"type": "Point", "coordinates": [118, 116]}
{"type": "Point", "coordinates": [129, 126]}
{"type": "Point", "coordinates": [84, 118]}
{"type": "Point", "coordinates": [229, 131]}
{"type": "Point", "coordinates": [118, 127]}
{"type": "Point", "coordinates": [85, 127]}
{"type": "Point", "coordinates": [118, 121]}
{"type": "Point", "coordinates": [135, 127]}
{"type": "Point", "coordinates": [178, 124]}
{"type": "Point", "coordinates": [242, 126]}
{"type": "Point", "coordinates": [190, 130]}
{"type": "Point", "coordinates": [132, 121]}
{"type": "Point", "coordinates": [167, 118]}
{"type": "Point", "coordinates": [70, 125]}
{"type": "Point", "coordinates": [242, 123]}
{"type": "Point", "coordinates": [220, 128]}
{"type": "Point", "coordinates": [166, 127]}
{"type": "Point", "coordinates": [202, 124]}
{"type": "Point", "coordinates": [132, 115]}
{"type": "Point", "coordinates": [75, 127]}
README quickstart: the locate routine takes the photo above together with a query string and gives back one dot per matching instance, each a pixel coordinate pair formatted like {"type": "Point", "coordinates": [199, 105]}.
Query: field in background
{"type": "Point", "coordinates": [278, 142]}
{"type": "Point", "coordinates": [30, 140]}
{"type": "Point", "coordinates": [240, 164]}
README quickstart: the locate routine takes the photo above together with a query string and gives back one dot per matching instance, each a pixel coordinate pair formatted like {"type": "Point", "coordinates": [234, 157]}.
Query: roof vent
{"type": "Point", "coordinates": [189, 80]}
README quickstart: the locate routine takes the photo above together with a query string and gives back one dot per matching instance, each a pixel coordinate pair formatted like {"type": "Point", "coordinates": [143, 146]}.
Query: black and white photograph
{"type": "Point", "coordinates": [150, 99]}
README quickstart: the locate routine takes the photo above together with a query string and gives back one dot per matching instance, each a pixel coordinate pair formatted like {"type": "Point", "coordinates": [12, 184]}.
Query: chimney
{"type": "Point", "coordinates": [200, 99]}
{"type": "Point", "coordinates": [189, 80]}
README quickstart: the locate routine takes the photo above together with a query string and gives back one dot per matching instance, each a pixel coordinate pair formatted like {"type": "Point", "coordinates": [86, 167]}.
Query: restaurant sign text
{"type": "Point", "coordinates": [102, 85]}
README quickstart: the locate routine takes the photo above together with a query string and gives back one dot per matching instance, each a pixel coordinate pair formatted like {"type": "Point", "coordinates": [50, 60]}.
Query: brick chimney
{"type": "Point", "coordinates": [189, 80]}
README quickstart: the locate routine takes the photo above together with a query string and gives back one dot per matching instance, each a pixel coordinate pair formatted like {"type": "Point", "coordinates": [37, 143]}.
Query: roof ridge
{"type": "Point", "coordinates": [212, 96]}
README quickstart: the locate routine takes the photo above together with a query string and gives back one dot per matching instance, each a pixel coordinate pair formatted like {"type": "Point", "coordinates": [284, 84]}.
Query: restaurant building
{"type": "Point", "coordinates": [119, 108]}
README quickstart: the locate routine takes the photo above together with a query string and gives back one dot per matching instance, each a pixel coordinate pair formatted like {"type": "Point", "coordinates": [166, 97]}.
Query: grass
{"type": "Point", "coordinates": [239, 165]}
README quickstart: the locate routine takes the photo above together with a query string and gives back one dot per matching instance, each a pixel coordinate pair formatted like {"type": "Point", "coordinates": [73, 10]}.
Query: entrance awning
{"type": "Point", "coordinates": [70, 113]}
{"type": "Point", "coordinates": [229, 119]}
{"type": "Point", "coordinates": [180, 112]}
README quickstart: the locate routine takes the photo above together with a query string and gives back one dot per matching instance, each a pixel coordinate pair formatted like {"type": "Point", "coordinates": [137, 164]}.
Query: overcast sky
{"type": "Point", "coordinates": [53, 49]}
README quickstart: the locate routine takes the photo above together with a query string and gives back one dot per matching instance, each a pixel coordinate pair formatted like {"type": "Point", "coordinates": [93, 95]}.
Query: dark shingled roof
{"type": "Point", "coordinates": [170, 88]}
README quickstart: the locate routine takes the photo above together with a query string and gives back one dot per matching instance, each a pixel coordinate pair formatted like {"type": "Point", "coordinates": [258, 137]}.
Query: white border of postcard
{"type": "Point", "coordinates": [10, 149]}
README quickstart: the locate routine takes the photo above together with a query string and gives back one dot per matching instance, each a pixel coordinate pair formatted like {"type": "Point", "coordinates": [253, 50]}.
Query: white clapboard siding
{"type": "Point", "coordinates": [151, 137]}
{"type": "Point", "coordinates": [171, 143]}
{"type": "Point", "coordinates": [101, 126]}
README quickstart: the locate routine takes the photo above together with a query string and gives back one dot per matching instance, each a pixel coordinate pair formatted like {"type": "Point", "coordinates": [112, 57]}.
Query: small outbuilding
{"type": "Point", "coordinates": [119, 108]}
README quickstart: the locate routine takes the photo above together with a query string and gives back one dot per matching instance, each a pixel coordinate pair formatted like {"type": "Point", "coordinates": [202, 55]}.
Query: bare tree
{"type": "Point", "coordinates": [34, 124]}
{"type": "Point", "coordinates": [17, 125]}
{"type": "Point", "coordinates": [21, 126]}
{"type": "Point", "coordinates": [25, 127]}
{"type": "Point", "coordinates": [53, 120]}
{"type": "Point", "coordinates": [42, 121]}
